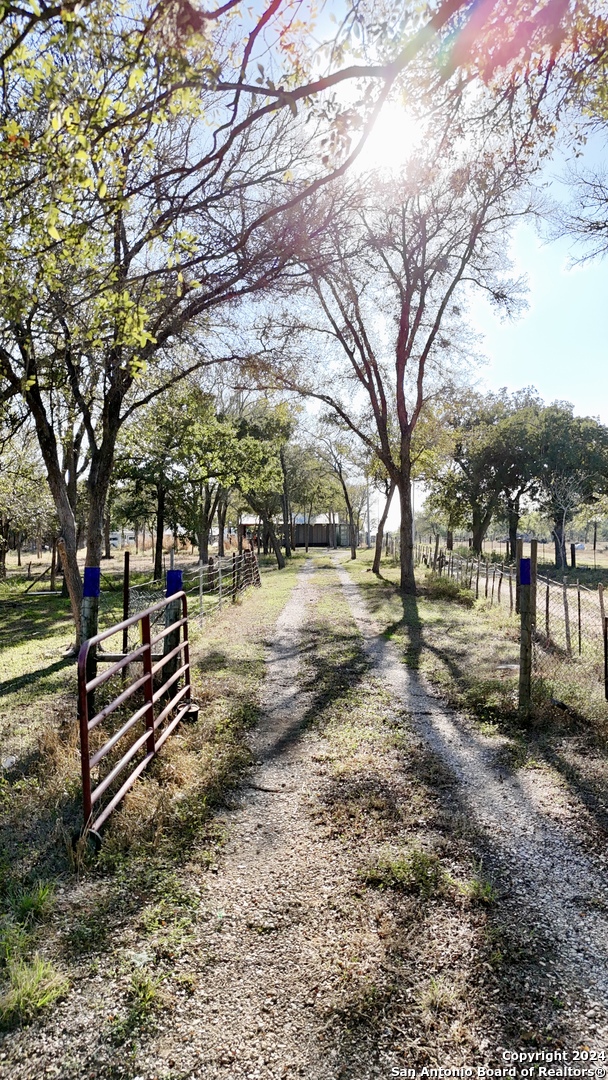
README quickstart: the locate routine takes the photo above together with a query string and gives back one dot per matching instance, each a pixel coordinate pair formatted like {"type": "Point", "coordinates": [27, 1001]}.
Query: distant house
{"type": "Point", "coordinates": [322, 532]}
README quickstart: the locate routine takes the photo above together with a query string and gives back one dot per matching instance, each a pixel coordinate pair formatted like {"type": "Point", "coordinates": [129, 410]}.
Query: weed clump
{"type": "Point", "coordinates": [444, 588]}
{"type": "Point", "coordinates": [32, 986]}
{"type": "Point", "coordinates": [416, 872]}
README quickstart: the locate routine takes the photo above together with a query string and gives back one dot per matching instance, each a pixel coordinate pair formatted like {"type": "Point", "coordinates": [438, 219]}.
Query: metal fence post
{"type": "Point", "coordinates": [533, 579]}
{"type": "Point", "coordinates": [525, 651]}
{"type": "Point", "coordinates": [125, 602]}
{"type": "Point", "coordinates": [519, 551]}
{"type": "Point", "coordinates": [567, 617]}
{"type": "Point", "coordinates": [90, 615]}
{"type": "Point", "coordinates": [149, 683]}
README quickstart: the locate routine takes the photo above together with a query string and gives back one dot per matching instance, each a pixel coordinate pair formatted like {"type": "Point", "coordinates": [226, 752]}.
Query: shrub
{"type": "Point", "coordinates": [444, 588]}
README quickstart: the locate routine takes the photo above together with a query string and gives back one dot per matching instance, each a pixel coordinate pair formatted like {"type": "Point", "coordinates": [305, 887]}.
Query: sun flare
{"type": "Point", "coordinates": [394, 138]}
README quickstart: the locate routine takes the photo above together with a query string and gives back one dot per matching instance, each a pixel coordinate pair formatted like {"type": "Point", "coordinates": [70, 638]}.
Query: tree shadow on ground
{"type": "Point", "coordinates": [21, 682]}
{"type": "Point", "coordinates": [26, 617]}
{"type": "Point", "coordinates": [455, 974]}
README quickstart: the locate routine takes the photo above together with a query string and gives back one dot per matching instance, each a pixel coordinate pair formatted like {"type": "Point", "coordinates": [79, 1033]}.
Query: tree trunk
{"type": "Point", "coordinates": [407, 581]}
{"type": "Point", "coordinates": [513, 526]}
{"type": "Point", "coordinates": [380, 530]}
{"type": "Point", "coordinates": [559, 539]}
{"type": "Point", "coordinates": [222, 507]}
{"type": "Point", "coordinates": [160, 528]}
{"type": "Point", "coordinates": [209, 501]}
{"type": "Point", "coordinates": [352, 533]}
{"type": "Point", "coordinates": [285, 504]}
{"type": "Point", "coordinates": [53, 563]}
{"type": "Point", "coordinates": [449, 540]}
{"type": "Point", "coordinates": [3, 548]}
{"type": "Point", "coordinates": [63, 507]}
{"type": "Point", "coordinates": [481, 524]}
{"type": "Point", "coordinates": [19, 542]}
{"type": "Point", "coordinates": [272, 536]}
{"type": "Point", "coordinates": [136, 538]}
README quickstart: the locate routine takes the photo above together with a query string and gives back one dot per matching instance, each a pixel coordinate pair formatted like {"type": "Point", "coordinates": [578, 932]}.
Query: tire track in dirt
{"type": "Point", "coordinates": [272, 931]}
{"type": "Point", "coordinates": [542, 863]}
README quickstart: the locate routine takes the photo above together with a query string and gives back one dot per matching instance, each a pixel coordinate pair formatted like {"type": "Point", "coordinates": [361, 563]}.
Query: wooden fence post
{"type": "Point", "coordinates": [436, 552]}
{"type": "Point", "coordinates": [525, 650]}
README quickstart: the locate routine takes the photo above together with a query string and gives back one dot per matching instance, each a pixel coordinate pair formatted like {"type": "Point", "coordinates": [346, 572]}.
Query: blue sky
{"type": "Point", "coordinates": [560, 344]}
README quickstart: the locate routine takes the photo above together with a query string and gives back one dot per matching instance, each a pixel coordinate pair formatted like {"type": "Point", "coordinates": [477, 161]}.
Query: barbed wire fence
{"type": "Point", "coordinates": [569, 649]}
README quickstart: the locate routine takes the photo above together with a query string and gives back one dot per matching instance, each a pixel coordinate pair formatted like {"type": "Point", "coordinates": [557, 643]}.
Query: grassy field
{"type": "Point", "coordinates": [59, 909]}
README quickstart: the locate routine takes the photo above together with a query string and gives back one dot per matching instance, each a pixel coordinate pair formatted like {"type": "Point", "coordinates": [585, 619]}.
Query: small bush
{"type": "Point", "coordinates": [32, 986]}
{"type": "Point", "coordinates": [416, 872]}
{"type": "Point", "coordinates": [444, 588]}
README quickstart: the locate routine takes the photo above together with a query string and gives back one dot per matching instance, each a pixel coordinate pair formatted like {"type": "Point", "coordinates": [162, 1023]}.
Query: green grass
{"type": "Point", "coordinates": [416, 872]}
{"type": "Point", "coordinates": [33, 985]}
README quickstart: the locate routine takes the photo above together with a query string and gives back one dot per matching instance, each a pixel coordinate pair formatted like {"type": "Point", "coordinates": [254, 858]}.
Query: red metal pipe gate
{"type": "Point", "coordinates": [151, 715]}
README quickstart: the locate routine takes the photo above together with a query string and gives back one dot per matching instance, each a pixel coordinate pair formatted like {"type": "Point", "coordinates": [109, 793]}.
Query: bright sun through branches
{"type": "Point", "coordinates": [392, 141]}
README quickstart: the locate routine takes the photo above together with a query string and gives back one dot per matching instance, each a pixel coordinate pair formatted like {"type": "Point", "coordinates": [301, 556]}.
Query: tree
{"type": "Point", "coordinates": [391, 276]}
{"type": "Point", "coordinates": [572, 468]}
{"type": "Point", "coordinates": [492, 461]}
{"type": "Point", "coordinates": [26, 507]}
{"type": "Point", "coordinates": [127, 219]}
{"type": "Point", "coordinates": [130, 234]}
{"type": "Point", "coordinates": [262, 430]}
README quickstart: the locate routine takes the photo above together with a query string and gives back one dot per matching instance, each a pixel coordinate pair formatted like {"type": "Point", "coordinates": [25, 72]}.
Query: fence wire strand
{"type": "Point", "coordinates": [568, 641]}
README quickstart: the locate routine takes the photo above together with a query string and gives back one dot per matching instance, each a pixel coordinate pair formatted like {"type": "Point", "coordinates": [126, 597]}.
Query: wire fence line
{"type": "Point", "coordinates": [568, 620]}
{"type": "Point", "coordinates": [208, 587]}
{"type": "Point", "coordinates": [220, 581]}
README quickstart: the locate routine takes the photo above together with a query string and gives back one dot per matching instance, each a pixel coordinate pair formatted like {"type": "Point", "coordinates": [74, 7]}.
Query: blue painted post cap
{"type": "Point", "coordinates": [174, 582]}
{"type": "Point", "coordinates": [525, 573]}
{"type": "Point", "coordinates": [92, 581]}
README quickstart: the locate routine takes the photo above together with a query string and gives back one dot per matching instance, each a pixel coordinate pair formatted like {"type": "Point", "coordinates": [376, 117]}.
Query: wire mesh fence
{"type": "Point", "coordinates": [208, 587]}
{"type": "Point", "coordinates": [568, 647]}
{"type": "Point", "coordinates": [568, 619]}
{"type": "Point", "coordinates": [218, 582]}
